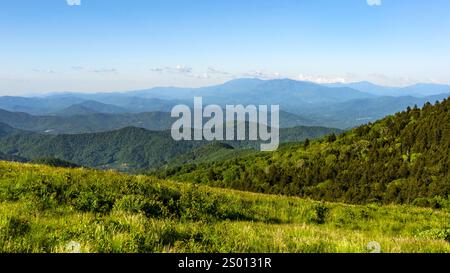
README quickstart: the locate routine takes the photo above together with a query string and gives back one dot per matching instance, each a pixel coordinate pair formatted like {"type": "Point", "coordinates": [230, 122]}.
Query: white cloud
{"type": "Point", "coordinates": [181, 69]}
{"type": "Point", "coordinates": [203, 76]}
{"type": "Point", "coordinates": [262, 75]}
{"type": "Point", "coordinates": [49, 71]}
{"type": "Point", "coordinates": [320, 79]}
{"type": "Point", "coordinates": [157, 69]}
{"type": "Point", "coordinates": [374, 2]}
{"type": "Point", "coordinates": [390, 80]}
{"type": "Point", "coordinates": [73, 2]}
{"type": "Point", "coordinates": [212, 70]}
{"type": "Point", "coordinates": [106, 70]}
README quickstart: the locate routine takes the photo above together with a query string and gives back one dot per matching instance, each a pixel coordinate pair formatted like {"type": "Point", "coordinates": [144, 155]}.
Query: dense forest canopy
{"type": "Point", "coordinates": [129, 149]}
{"type": "Point", "coordinates": [403, 158]}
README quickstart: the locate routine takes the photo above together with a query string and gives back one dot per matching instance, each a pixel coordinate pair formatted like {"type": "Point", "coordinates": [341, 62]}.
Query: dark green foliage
{"type": "Point", "coordinates": [43, 209]}
{"type": "Point", "coordinates": [331, 138]}
{"type": "Point", "coordinates": [126, 149]}
{"type": "Point", "coordinates": [319, 214]}
{"type": "Point", "coordinates": [16, 227]}
{"type": "Point", "coordinates": [94, 201]}
{"type": "Point", "coordinates": [100, 193]}
{"type": "Point", "coordinates": [306, 143]}
{"type": "Point", "coordinates": [401, 159]}
{"type": "Point", "coordinates": [215, 151]}
{"type": "Point", "coordinates": [131, 148]}
{"type": "Point", "coordinates": [11, 158]}
{"type": "Point", "coordinates": [55, 162]}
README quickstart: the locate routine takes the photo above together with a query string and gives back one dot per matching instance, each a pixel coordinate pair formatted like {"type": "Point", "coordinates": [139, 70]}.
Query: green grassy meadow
{"type": "Point", "coordinates": [43, 209]}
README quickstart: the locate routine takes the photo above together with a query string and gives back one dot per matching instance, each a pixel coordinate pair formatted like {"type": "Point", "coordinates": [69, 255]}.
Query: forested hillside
{"type": "Point", "coordinates": [401, 159]}
{"type": "Point", "coordinates": [128, 149]}
{"type": "Point", "coordinates": [86, 123]}
{"type": "Point", "coordinates": [211, 152]}
{"type": "Point", "coordinates": [125, 149]}
{"type": "Point", "coordinates": [11, 158]}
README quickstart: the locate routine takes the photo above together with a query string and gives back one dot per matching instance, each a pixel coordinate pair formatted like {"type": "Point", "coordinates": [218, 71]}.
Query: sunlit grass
{"type": "Point", "coordinates": [42, 209]}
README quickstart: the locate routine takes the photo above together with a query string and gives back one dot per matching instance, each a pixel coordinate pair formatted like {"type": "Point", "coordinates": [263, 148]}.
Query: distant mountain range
{"type": "Point", "coordinates": [130, 130]}
{"type": "Point", "coordinates": [76, 104]}
{"type": "Point", "coordinates": [90, 107]}
{"type": "Point", "coordinates": [289, 93]}
{"type": "Point", "coordinates": [303, 103]}
{"type": "Point", "coordinates": [89, 121]}
{"type": "Point", "coordinates": [86, 123]}
{"type": "Point", "coordinates": [351, 113]}
{"type": "Point", "coordinates": [417, 90]}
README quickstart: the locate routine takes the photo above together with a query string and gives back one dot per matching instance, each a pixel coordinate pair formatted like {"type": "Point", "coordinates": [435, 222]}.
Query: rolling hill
{"type": "Point", "coordinates": [82, 120]}
{"type": "Point", "coordinates": [401, 159]}
{"type": "Point", "coordinates": [37, 105]}
{"type": "Point", "coordinates": [101, 103]}
{"type": "Point", "coordinates": [90, 107]}
{"type": "Point", "coordinates": [124, 149]}
{"type": "Point", "coordinates": [127, 149]}
{"type": "Point", "coordinates": [6, 157]}
{"type": "Point", "coordinates": [211, 152]}
{"type": "Point", "coordinates": [86, 123]}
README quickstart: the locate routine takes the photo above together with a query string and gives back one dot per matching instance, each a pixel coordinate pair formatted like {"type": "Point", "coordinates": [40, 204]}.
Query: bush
{"type": "Point", "coordinates": [154, 208]}
{"type": "Point", "coordinates": [319, 215]}
{"type": "Point", "coordinates": [55, 162]}
{"type": "Point", "coordinates": [17, 227]}
{"type": "Point", "coordinates": [435, 203]}
{"type": "Point", "coordinates": [130, 203]}
{"type": "Point", "coordinates": [89, 201]}
{"type": "Point", "coordinates": [195, 205]}
{"type": "Point", "coordinates": [435, 234]}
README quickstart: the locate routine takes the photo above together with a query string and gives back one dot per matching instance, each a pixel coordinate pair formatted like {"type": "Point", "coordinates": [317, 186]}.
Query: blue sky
{"type": "Point", "coordinates": [100, 45]}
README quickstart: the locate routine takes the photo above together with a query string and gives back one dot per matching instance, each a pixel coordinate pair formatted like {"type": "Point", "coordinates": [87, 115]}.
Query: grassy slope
{"type": "Point", "coordinates": [43, 208]}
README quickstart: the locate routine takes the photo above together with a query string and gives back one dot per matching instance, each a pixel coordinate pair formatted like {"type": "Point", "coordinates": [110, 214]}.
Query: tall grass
{"type": "Point", "coordinates": [43, 209]}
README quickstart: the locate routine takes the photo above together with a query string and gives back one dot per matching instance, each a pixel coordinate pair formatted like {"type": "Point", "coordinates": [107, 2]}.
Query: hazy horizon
{"type": "Point", "coordinates": [112, 46]}
{"type": "Point", "coordinates": [50, 93]}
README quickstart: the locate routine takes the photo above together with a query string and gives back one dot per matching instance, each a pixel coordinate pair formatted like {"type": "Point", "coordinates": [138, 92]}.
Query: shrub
{"type": "Point", "coordinates": [130, 203]}
{"type": "Point", "coordinates": [319, 215]}
{"type": "Point", "coordinates": [435, 234]}
{"type": "Point", "coordinates": [89, 201]}
{"type": "Point", "coordinates": [154, 208]}
{"type": "Point", "coordinates": [16, 226]}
